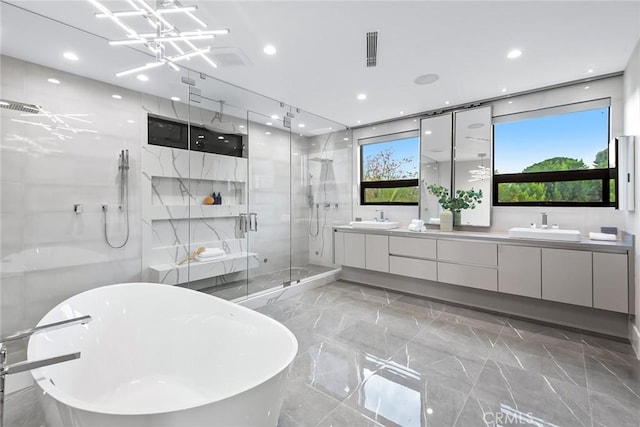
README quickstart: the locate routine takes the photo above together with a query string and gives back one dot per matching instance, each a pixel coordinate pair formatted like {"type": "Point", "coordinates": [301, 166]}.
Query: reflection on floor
{"type": "Point", "coordinates": [257, 284]}
{"type": "Point", "coordinates": [370, 357]}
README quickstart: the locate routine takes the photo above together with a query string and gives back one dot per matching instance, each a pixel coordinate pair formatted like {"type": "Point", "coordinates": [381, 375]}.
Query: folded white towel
{"type": "Point", "coordinates": [211, 258]}
{"type": "Point", "coordinates": [602, 236]}
{"type": "Point", "coordinates": [212, 253]}
{"type": "Point", "coordinates": [415, 227]}
{"type": "Point", "coordinates": [434, 220]}
{"type": "Point", "coordinates": [418, 222]}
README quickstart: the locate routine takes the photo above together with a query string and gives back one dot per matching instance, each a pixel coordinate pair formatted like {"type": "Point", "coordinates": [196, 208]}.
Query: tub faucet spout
{"type": "Point", "coordinates": [6, 369]}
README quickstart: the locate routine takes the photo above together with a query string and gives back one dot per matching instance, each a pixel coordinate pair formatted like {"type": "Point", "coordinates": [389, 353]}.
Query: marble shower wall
{"type": "Point", "coordinates": [329, 168]}
{"type": "Point", "coordinates": [48, 164]}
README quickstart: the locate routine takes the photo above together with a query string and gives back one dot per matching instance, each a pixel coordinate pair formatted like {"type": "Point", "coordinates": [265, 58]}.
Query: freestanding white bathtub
{"type": "Point", "coordinates": [162, 356]}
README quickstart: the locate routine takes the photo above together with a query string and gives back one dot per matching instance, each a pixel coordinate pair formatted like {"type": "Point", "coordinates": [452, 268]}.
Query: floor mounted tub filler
{"type": "Point", "coordinates": [162, 356]}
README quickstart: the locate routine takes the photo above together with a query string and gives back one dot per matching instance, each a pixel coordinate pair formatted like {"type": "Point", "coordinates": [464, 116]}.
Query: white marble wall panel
{"type": "Point", "coordinates": [48, 251]}
{"type": "Point", "coordinates": [329, 172]}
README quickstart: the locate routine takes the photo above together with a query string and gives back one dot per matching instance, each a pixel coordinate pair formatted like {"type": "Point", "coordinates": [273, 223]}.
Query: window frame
{"type": "Point", "coordinates": [604, 175]}
{"type": "Point", "coordinates": [398, 183]}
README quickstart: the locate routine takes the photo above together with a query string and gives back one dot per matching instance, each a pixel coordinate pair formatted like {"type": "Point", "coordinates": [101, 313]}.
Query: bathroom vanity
{"type": "Point", "coordinates": [581, 284]}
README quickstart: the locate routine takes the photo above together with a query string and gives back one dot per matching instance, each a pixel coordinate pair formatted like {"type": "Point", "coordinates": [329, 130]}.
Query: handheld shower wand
{"type": "Point", "coordinates": [123, 197]}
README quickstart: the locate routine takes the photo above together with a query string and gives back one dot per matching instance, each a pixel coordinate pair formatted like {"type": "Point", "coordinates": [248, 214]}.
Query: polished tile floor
{"type": "Point", "coordinates": [370, 357]}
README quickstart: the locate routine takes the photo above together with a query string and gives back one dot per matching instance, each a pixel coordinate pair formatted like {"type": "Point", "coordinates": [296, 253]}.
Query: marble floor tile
{"type": "Point", "coordinates": [325, 322]}
{"type": "Point", "coordinates": [283, 310]}
{"type": "Point", "coordinates": [619, 379]}
{"type": "Point", "coordinates": [322, 296]}
{"type": "Point", "coordinates": [609, 411]}
{"type": "Point", "coordinates": [473, 318]}
{"type": "Point", "coordinates": [304, 406]}
{"type": "Point", "coordinates": [334, 369]}
{"type": "Point", "coordinates": [343, 416]}
{"type": "Point", "coordinates": [364, 309]}
{"type": "Point", "coordinates": [437, 365]}
{"type": "Point", "coordinates": [404, 319]}
{"type": "Point", "coordinates": [368, 293]}
{"type": "Point", "coordinates": [550, 336]}
{"type": "Point", "coordinates": [377, 342]}
{"type": "Point", "coordinates": [417, 304]}
{"type": "Point", "coordinates": [477, 412]}
{"type": "Point", "coordinates": [554, 401]}
{"type": "Point", "coordinates": [398, 396]}
{"type": "Point", "coordinates": [459, 338]}
{"type": "Point", "coordinates": [603, 348]}
{"type": "Point", "coordinates": [552, 361]}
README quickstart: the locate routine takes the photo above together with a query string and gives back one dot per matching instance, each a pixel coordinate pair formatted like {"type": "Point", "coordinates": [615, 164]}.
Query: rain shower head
{"type": "Point", "coordinates": [317, 159]}
{"type": "Point", "coordinates": [19, 106]}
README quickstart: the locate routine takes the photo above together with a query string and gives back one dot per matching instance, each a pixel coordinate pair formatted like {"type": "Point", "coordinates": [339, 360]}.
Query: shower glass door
{"type": "Point", "coordinates": [268, 217]}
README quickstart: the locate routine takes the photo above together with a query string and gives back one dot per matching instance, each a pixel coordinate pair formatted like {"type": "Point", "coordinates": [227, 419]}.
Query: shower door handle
{"type": "Point", "coordinates": [243, 223]}
{"type": "Point", "coordinates": [253, 221]}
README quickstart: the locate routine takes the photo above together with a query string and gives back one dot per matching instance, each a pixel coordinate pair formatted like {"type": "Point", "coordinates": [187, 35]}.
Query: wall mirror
{"type": "Point", "coordinates": [435, 163]}
{"type": "Point", "coordinates": [473, 161]}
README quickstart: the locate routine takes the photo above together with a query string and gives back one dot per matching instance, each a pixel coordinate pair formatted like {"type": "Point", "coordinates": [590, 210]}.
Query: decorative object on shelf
{"type": "Point", "coordinates": [218, 198]}
{"type": "Point", "coordinates": [208, 201]}
{"type": "Point", "coordinates": [168, 44]}
{"type": "Point", "coordinates": [192, 256]}
{"type": "Point", "coordinates": [464, 199]}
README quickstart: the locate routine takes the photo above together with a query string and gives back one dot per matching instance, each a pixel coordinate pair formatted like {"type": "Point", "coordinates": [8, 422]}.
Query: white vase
{"type": "Point", "coordinates": [446, 220]}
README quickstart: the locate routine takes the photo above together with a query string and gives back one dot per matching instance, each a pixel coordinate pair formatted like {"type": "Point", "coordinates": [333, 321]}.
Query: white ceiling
{"type": "Point", "coordinates": [320, 63]}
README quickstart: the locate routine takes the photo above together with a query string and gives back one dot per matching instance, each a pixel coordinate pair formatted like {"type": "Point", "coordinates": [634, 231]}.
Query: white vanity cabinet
{"type": "Point", "coordinates": [610, 282]}
{"type": "Point", "coordinates": [567, 276]}
{"type": "Point", "coordinates": [520, 270]}
{"type": "Point", "coordinates": [376, 252]}
{"type": "Point", "coordinates": [354, 250]}
{"type": "Point", "coordinates": [413, 257]}
{"type": "Point", "coordinates": [471, 264]}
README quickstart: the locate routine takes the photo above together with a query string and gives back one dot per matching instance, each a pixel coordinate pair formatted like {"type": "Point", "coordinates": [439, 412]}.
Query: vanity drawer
{"type": "Point", "coordinates": [466, 275]}
{"type": "Point", "coordinates": [412, 267]}
{"type": "Point", "coordinates": [476, 253]}
{"type": "Point", "coordinates": [413, 247]}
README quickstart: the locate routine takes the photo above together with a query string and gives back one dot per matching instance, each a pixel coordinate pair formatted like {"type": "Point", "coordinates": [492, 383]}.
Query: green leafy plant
{"type": "Point", "coordinates": [464, 199]}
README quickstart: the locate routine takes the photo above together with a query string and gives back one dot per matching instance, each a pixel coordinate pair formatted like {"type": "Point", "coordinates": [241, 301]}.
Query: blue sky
{"type": "Point", "coordinates": [577, 135]}
{"type": "Point", "coordinates": [407, 147]}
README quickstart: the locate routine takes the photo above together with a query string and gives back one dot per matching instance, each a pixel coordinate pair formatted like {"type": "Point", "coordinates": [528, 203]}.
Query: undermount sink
{"type": "Point", "coordinates": [545, 234]}
{"type": "Point", "coordinates": [376, 225]}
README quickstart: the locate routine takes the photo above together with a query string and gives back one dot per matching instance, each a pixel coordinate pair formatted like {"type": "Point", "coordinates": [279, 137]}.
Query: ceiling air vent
{"type": "Point", "coordinates": [229, 57]}
{"type": "Point", "coordinates": [372, 48]}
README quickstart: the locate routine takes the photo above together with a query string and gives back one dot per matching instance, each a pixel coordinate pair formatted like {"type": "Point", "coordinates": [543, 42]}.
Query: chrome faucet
{"type": "Point", "coordinates": [381, 219]}
{"type": "Point", "coordinates": [6, 369]}
{"type": "Point", "coordinates": [544, 220]}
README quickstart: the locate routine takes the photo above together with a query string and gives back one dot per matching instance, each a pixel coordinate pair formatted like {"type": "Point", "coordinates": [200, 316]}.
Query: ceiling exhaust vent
{"type": "Point", "coordinates": [372, 48]}
{"type": "Point", "coordinates": [229, 57]}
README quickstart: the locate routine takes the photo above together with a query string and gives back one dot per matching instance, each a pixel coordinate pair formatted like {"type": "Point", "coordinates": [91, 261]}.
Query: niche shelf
{"type": "Point", "coordinates": [172, 274]}
{"type": "Point", "coordinates": [166, 212]}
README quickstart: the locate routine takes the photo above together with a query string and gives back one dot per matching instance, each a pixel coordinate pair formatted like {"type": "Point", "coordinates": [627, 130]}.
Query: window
{"type": "Point", "coordinates": [389, 168]}
{"type": "Point", "coordinates": [555, 157]}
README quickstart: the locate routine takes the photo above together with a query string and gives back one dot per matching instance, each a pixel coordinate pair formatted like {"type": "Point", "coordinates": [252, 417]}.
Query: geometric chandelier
{"type": "Point", "coordinates": [483, 172]}
{"type": "Point", "coordinates": [166, 42]}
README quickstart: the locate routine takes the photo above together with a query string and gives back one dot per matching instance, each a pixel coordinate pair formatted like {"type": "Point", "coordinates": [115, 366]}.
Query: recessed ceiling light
{"type": "Point", "coordinates": [515, 53]}
{"type": "Point", "coordinates": [221, 137]}
{"type": "Point", "coordinates": [362, 96]}
{"type": "Point", "coordinates": [241, 126]}
{"type": "Point", "coordinates": [590, 70]}
{"type": "Point", "coordinates": [269, 49]}
{"type": "Point", "coordinates": [346, 139]}
{"type": "Point", "coordinates": [70, 56]}
{"type": "Point", "coordinates": [142, 77]}
{"type": "Point", "coordinates": [426, 79]}
{"type": "Point", "coordinates": [275, 117]}
{"type": "Point", "coordinates": [116, 96]}
{"type": "Point", "coordinates": [131, 121]}
{"type": "Point", "coordinates": [267, 133]}
{"type": "Point", "coordinates": [586, 87]}
{"type": "Point", "coordinates": [504, 89]}
{"type": "Point", "coordinates": [401, 112]}
{"type": "Point", "coordinates": [427, 132]}
{"type": "Point", "coordinates": [358, 121]}
{"type": "Point", "coordinates": [175, 98]}
{"type": "Point", "coordinates": [54, 81]}
{"type": "Point", "coordinates": [269, 124]}
{"type": "Point", "coordinates": [510, 102]}
{"type": "Point", "coordinates": [446, 102]}
{"type": "Point", "coordinates": [301, 125]}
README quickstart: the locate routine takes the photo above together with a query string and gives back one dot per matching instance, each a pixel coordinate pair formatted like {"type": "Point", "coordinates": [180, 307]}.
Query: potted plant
{"type": "Point", "coordinates": [464, 199]}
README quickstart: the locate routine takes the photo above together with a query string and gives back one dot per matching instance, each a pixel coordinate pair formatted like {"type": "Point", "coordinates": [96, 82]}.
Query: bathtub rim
{"type": "Point", "coordinates": [42, 380]}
